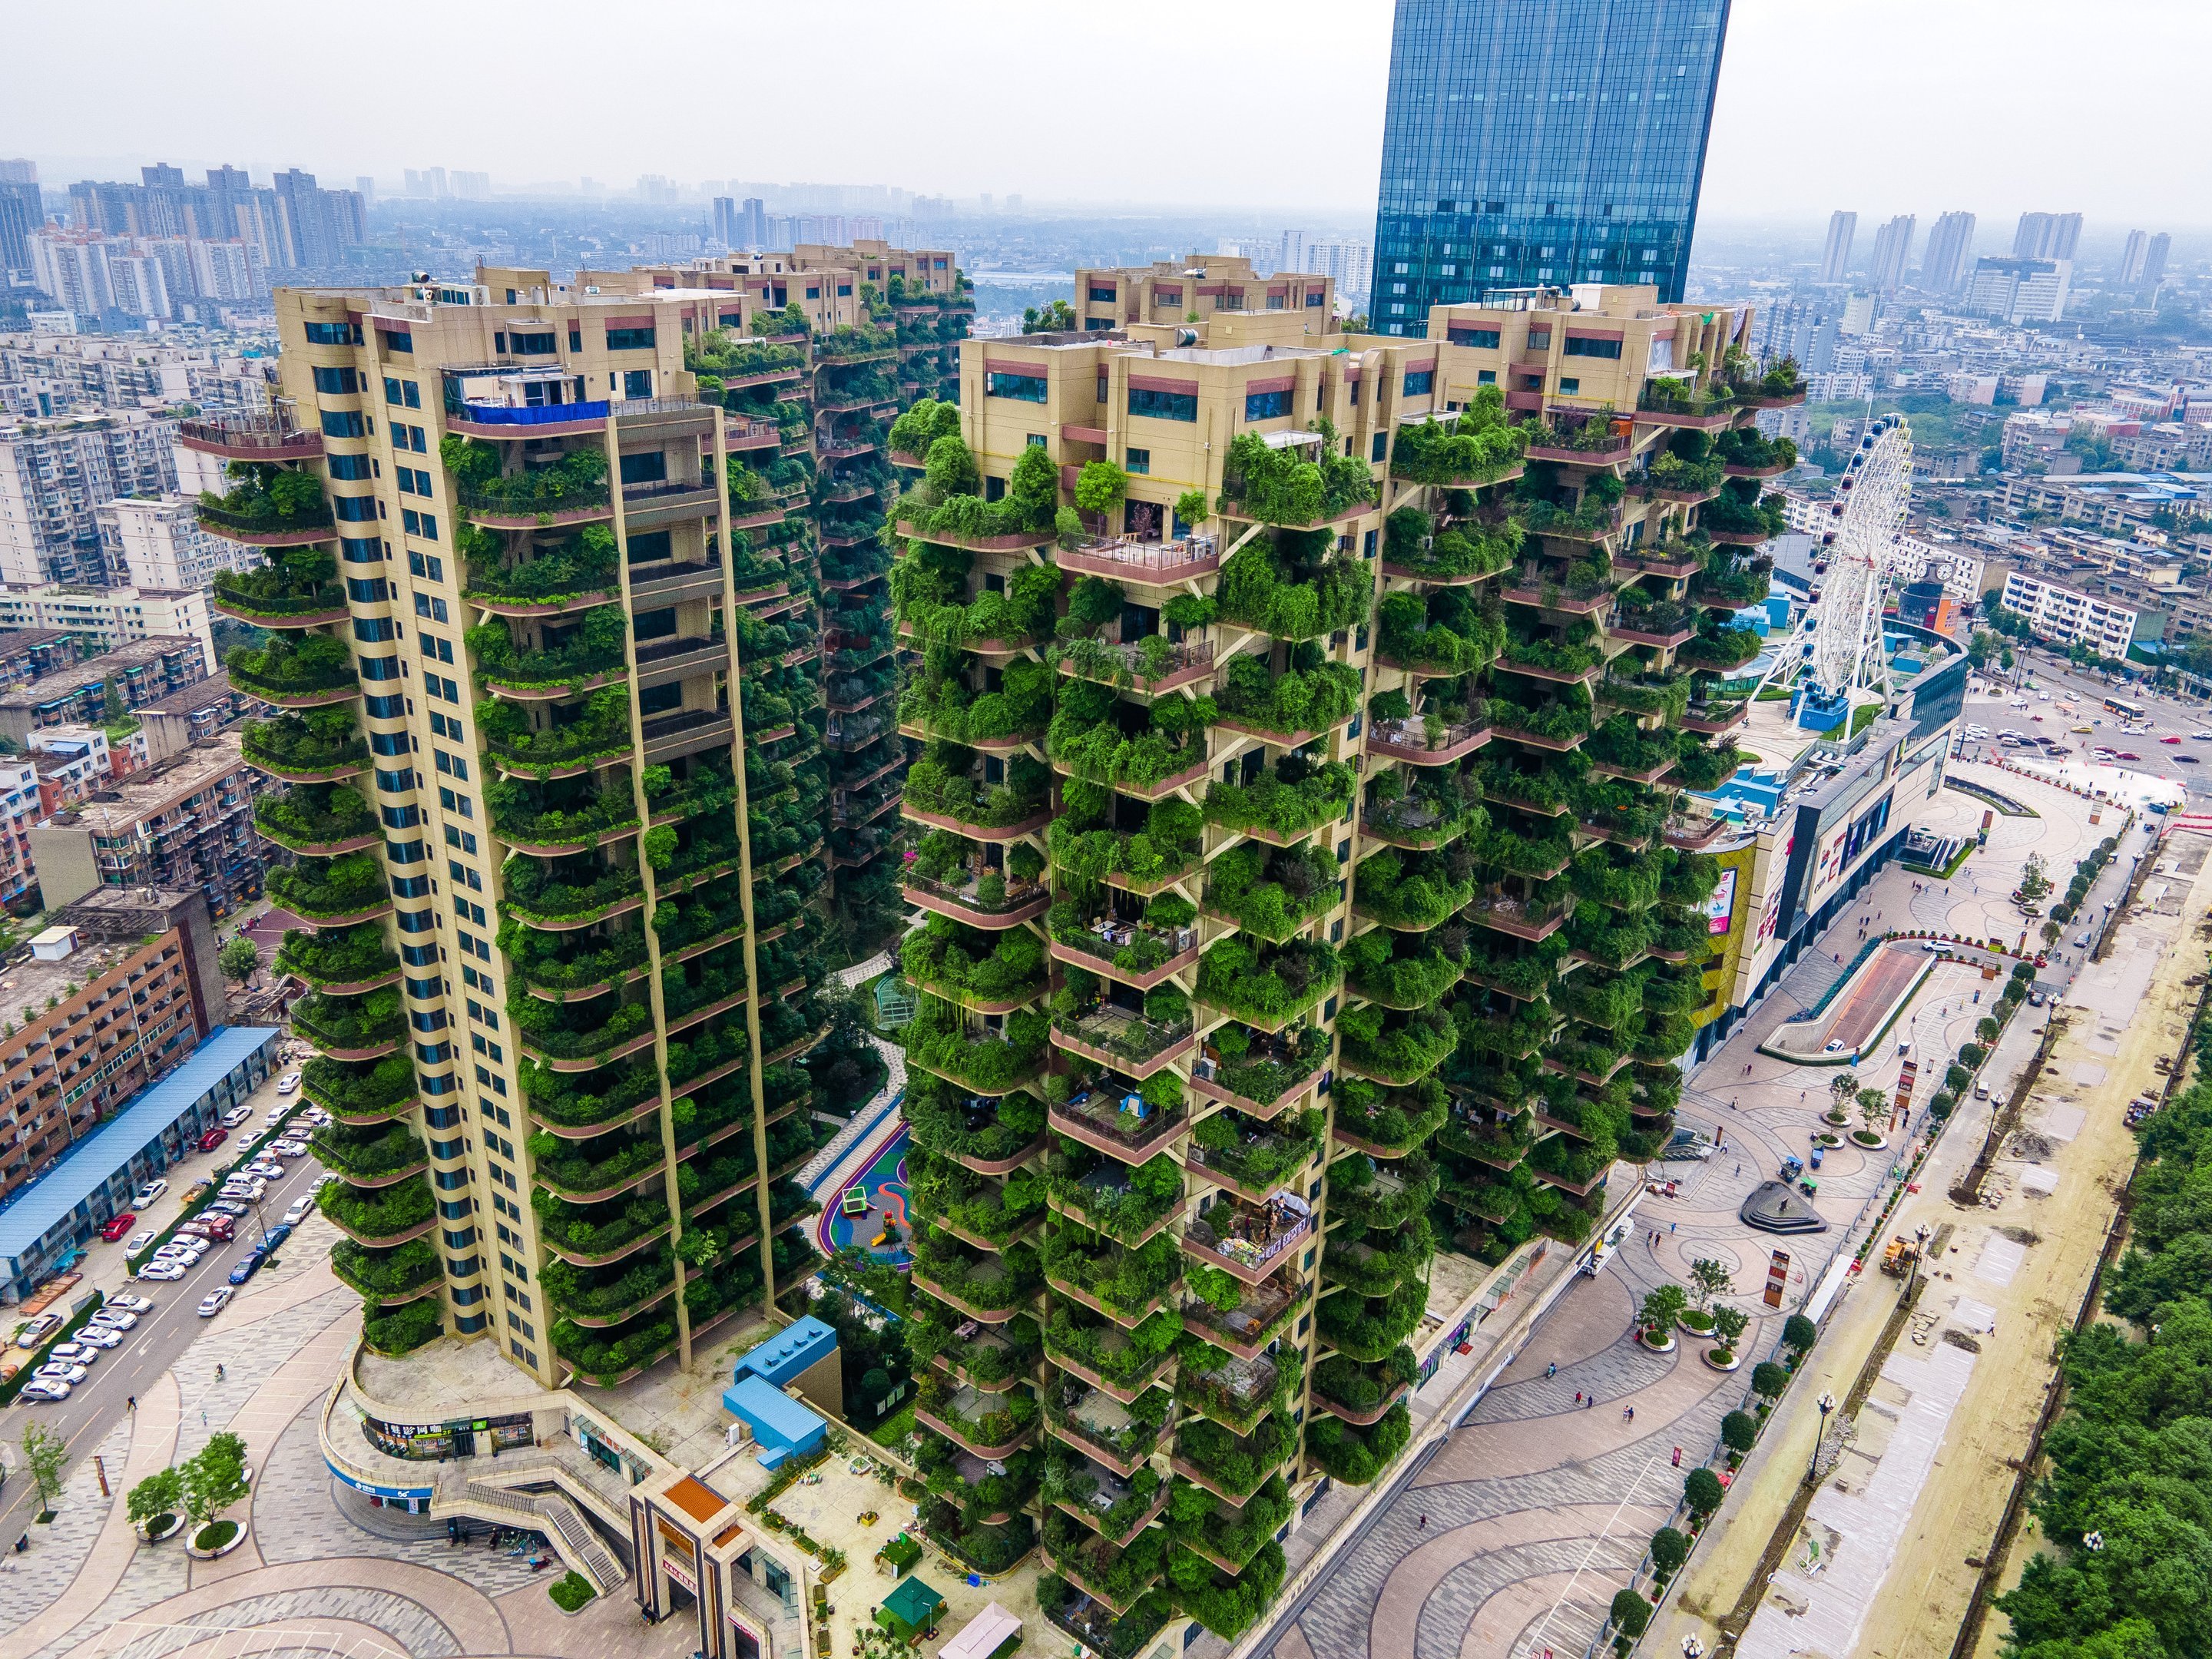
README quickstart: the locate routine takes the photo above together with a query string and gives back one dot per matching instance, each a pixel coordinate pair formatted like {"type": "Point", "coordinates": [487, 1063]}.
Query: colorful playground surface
{"type": "Point", "coordinates": [882, 1227]}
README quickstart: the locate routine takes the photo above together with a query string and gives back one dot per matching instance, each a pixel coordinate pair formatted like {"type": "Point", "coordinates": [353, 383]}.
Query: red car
{"type": "Point", "coordinates": [2169, 739]}
{"type": "Point", "coordinates": [213, 1138]}
{"type": "Point", "coordinates": [116, 1228]}
{"type": "Point", "coordinates": [2130, 754]}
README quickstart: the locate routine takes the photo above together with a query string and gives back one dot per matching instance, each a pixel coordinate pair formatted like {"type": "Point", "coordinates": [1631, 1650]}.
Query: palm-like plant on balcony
{"type": "Point", "coordinates": [1281, 486]}
{"type": "Point", "coordinates": [1474, 448]}
{"type": "Point", "coordinates": [1414, 889]}
{"type": "Point", "coordinates": [1405, 971]}
{"type": "Point", "coordinates": [1401, 1048]}
{"type": "Point", "coordinates": [1446, 633]}
{"type": "Point", "coordinates": [1294, 586]}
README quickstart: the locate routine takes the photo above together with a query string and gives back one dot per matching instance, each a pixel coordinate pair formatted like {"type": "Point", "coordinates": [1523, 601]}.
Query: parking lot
{"type": "Point", "coordinates": [117, 1375]}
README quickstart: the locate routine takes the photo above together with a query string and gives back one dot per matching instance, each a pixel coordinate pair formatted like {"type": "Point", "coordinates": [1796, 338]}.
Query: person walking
{"type": "Point", "coordinates": [130, 1404]}
{"type": "Point", "coordinates": [1678, 1457]}
{"type": "Point", "coordinates": [1552, 1369]}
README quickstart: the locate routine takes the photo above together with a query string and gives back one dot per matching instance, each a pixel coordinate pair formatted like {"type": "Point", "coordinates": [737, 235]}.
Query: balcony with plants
{"type": "Point", "coordinates": [547, 658]}
{"type": "Point", "coordinates": [334, 892]}
{"type": "Point", "coordinates": [1685, 470]}
{"type": "Point", "coordinates": [317, 818]}
{"type": "Point", "coordinates": [1255, 1159]}
{"type": "Point", "coordinates": [576, 1037]}
{"type": "Point", "coordinates": [1127, 1284]}
{"type": "Point", "coordinates": [1358, 1393]}
{"type": "Point", "coordinates": [1404, 970]}
{"type": "Point", "coordinates": [1443, 633]}
{"type": "Point", "coordinates": [1114, 1027]}
{"type": "Point", "coordinates": [1101, 1192]}
{"type": "Point", "coordinates": [1259, 1071]}
{"type": "Point", "coordinates": [983, 1281]}
{"type": "Point", "coordinates": [1121, 1580]}
{"type": "Point", "coordinates": [1366, 1329]}
{"type": "Point", "coordinates": [1284, 803]}
{"type": "Point", "coordinates": [539, 489]}
{"type": "Point", "coordinates": [1289, 707]}
{"type": "Point", "coordinates": [1136, 943]}
{"type": "Point", "coordinates": [562, 894]}
{"type": "Point", "coordinates": [1414, 892]}
{"type": "Point", "coordinates": [953, 788]}
{"type": "Point", "coordinates": [1224, 1603]}
{"type": "Point", "coordinates": [1464, 551]}
{"type": "Point", "coordinates": [1661, 624]}
{"type": "Point", "coordinates": [1118, 1433]}
{"type": "Point", "coordinates": [589, 1235]}
{"type": "Point", "coordinates": [940, 702]}
{"type": "Point", "coordinates": [1732, 580]}
{"type": "Point", "coordinates": [1293, 484]}
{"type": "Point", "coordinates": [1233, 1392]}
{"type": "Point", "coordinates": [947, 508]}
{"type": "Point", "coordinates": [995, 972]}
{"type": "Point", "coordinates": [295, 673]}
{"type": "Point", "coordinates": [1270, 892]}
{"type": "Point", "coordinates": [1623, 748]}
{"type": "Point", "coordinates": [985, 1211]}
{"type": "Point", "coordinates": [1595, 439]}
{"type": "Point", "coordinates": [1678, 396]}
{"type": "Point", "coordinates": [569, 575]}
{"type": "Point", "coordinates": [338, 960]}
{"type": "Point", "coordinates": [372, 1157]}
{"type": "Point", "coordinates": [1547, 505]}
{"type": "Point", "coordinates": [1355, 1456]}
{"type": "Point", "coordinates": [1387, 1123]}
{"type": "Point", "coordinates": [598, 1298]}
{"type": "Point", "coordinates": [1267, 986]}
{"type": "Point", "coordinates": [719, 358]}
{"type": "Point", "coordinates": [1374, 1263]}
{"type": "Point", "coordinates": [1640, 691]}
{"type": "Point", "coordinates": [1145, 751]}
{"type": "Point", "coordinates": [1740, 514]}
{"type": "Point", "coordinates": [1100, 836]}
{"type": "Point", "coordinates": [352, 1028]}
{"type": "Point", "coordinates": [563, 815]}
{"type": "Point", "coordinates": [1105, 1348]}
{"type": "Point", "coordinates": [266, 503]}
{"type": "Point", "coordinates": [1523, 970]}
{"type": "Point", "coordinates": [952, 877]}
{"type": "Point", "coordinates": [357, 1093]}
{"type": "Point", "coordinates": [1747, 452]}
{"type": "Point", "coordinates": [557, 740]}
{"type": "Point", "coordinates": [987, 1424]}
{"type": "Point", "coordinates": [585, 1170]}
{"type": "Point", "coordinates": [1571, 654]}
{"type": "Point", "coordinates": [1477, 447]}
{"type": "Point", "coordinates": [1238, 1314]}
{"type": "Point", "coordinates": [1780, 384]}
{"type": "Point", "coordinates": [380, 1217]}
{"type": "Point", "coordinates": [321, 745]}
{"type": "Point", "coordinates": [1233, 1465]}
{"type": "Point", "coordinates": [387, 1277]}
{"type": "Point", "coordinates": [990, 1358]}
{"type": "Point", "coordinates": [993, 1131]}
{"type": "Point", "coordinates": [1115, 1508]}
{"type": "Point", "coordinates": [1423, 808]}
{"type": "Point", "coordinates": [1293, 587]}
{"type": "Point", "coordinates": [1385, 1192]}
{"type": "Point", "coordinates": [1556, 722]}
{"type": "Point", "coordinates": [1395, 1048]}
{"type": "Point", "coordinates": [985, 1493]}
{"type": "Point", "coordinates": [1228, 1536]}
{"type": "Point", "coordinates": [1720, 649]}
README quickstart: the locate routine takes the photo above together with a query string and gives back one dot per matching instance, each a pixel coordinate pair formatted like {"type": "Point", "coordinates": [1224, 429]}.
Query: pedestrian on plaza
{"type": "Point", "coordinates": [1739, 1168]}
{"type": "Point", "coordinates": [1678, 1457]}
{"type": "Point", "coordinates": [1589, 1403]}
{"type": "Point", "coordinates": [1425, 1521]}
{"type": "Point", "coordinates": [1628, 1414]}
{"type": "Point", "coordinates": [131, 1404]}
{"type": "Point", "coordinates": [1578, 1396]}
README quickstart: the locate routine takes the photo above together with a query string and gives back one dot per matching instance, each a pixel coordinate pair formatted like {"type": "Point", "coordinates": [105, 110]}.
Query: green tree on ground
{"type": "Point", "coordinates": [46, 1454]}
{"type": "Point", "coordinates": [238, 960]}
{"type": "Point", "coordinates": [159, 1493]}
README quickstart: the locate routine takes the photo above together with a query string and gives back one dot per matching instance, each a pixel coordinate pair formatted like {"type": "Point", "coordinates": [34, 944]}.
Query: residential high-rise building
{"type": "Point", "coordinates": [70, 267]}
{"type": "Point", "coordinates": [2019, 291]}
{"type": "Point", "coordinates": [726, 230]}
{"type": "Point", "coordinates": [317, 226]}
{"type": "Point", "coordinates": [226, 208]}
{"type": "Point", "coordinates": [364, 185]}
{"type": "Point", "coordinates": [1944, 264]}
{"type": "Point", "coordinates": [429, 181]}
{"type": "Point", "coordinates": [2153, 271]}
{"type": "Point", "coordinates": [2046, 236]}
{"type": "Point", "coordinates": [23, 213]}
{"type": "Point", "coordinates": [1348, 264]}
{"type": "Point", "coordinates": [54, 475]}
{"type": "Point", "coordinates": [1893, 251]}
{"type": "Point", "coordinates": [156, 542]}
{"type": "Point", "coordinates": [646, 734]}
{"type": "Point", "coordinates": [16, 170]}
{"type": "Point", "coordinates": [113, 617]}
{"type": "Point", "coordinates": [1171, 290]}
{"type": "Point", "coordinates": [2142, 262]}
{"type": "Point", "coordinates": [1836, 252]}
{"type": "Point", "coordinates": [186, 821]}
{"type": "Point", "coordinates": [1504, 168]}
{"type": "Point", "coordinates": [1318, 969]}
{"type": "Point", "coordinates": [471, 186]}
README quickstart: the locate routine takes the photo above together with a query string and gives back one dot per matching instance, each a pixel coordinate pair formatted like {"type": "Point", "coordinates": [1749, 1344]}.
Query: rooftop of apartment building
{"type": "Point", "coordinates": [28, 982]}
{"type": "Point", "coordinates": [17, 641]}
{"type": "Point", "coordinates": [131, 800]}
{"type": "Point", "coordinates": [66, 682]}
{"type": "Point", "coordinates": [202, 693]}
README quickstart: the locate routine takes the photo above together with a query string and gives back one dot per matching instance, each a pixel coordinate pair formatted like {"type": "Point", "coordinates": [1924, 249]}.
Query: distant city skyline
{"type": "Point", "coordinates": [1948, 121]}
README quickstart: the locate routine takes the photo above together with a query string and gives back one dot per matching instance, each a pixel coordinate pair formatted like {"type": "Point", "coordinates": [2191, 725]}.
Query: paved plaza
{"type": "Point", "coordinates": [1512, 1540]}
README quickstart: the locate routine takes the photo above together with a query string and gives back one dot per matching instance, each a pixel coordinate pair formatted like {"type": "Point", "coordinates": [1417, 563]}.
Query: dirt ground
{"type": "Point", "coordinates": [2052, 1190]}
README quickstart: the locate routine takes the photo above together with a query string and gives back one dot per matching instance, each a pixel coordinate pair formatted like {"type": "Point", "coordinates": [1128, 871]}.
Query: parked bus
{"type": "Point", "coordinates": [2125, 710]}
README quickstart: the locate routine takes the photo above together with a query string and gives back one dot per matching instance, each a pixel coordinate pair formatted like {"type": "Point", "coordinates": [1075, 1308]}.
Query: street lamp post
{"type": "Point", "coordinates": [1827, 1402]}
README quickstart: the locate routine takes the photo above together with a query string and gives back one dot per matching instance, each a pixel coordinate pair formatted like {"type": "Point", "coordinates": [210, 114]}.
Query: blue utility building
{"type": "Point", "coordinates": [803, 1355]}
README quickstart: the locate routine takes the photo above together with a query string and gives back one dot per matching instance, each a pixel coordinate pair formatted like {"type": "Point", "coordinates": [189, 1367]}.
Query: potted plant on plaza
{"type": "Point", "coordinates": [1662, 1310]}
{"type": "Point", "coordinates": [1708, 1278]}
{"type": "Point", "coordinates": [1874, 1108]}
{"type": "Point", "coordinates": [1728, 1326]}
{"type": "Point", "coordinates": [214, 1480]}
{"type": "Point", "coordinates": [1842, 1090]}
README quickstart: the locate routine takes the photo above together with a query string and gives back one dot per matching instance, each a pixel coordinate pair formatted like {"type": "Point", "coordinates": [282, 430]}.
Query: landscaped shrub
{"type": "Point", "coordinates": [571, 1591]}
{"type": "Point", "coordinates": [1669, 1549]}
{"type": "Point", "coordinates": [1768, 1379]}
{"type": "Point", "coordinates": [1739, 1431]}
{"type": "Point", "coordinates": [1631, 1613]}
{"type": "Point", "coordinates": [1702, 1491]}
{"type": "Point", "coordinates": [1799, 1333]}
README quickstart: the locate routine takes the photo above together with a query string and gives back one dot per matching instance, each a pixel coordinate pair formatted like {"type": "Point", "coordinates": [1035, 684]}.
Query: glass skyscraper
{"type": "Point", "coordinates": [1533, 142]}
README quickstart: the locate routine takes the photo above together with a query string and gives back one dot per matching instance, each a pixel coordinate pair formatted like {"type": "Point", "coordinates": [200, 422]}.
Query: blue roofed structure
{"type": "Point", "coordinates": [94, 1179]}
{"type": "Point", "coordinates": [803, 1355]}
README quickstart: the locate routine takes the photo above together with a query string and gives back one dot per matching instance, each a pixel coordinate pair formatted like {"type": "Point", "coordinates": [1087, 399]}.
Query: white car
{"type": "Point", "coordinates": [289, 1083]}
{"type": "Point", "coordinates": [266, 1168]}
{"type": "Point", "coordinates": [111, 1317]}
{"type": "Point", "coordinates": [60, 1371]}
{"type": "Point", "coordinates": [325, 1179]}
{"type": "Point", "coordinates": [97, 1336]}
{"type": "Point", "coordinates": [290, 1147]}
{"type": "Point", "coordinates": [162, 1271]}
{"type": "Point", "coordinates": [139, 1241]}
{"type": "Point", "coordinates": [215, 1301]}
{"type": "Point", "coordinates": [76, 1351]}
{"type": "Point", "coordinates": [251, 1186]}
{"type": "Point", "coordinates": [300, 1209]}
{"type": "Point", "coordinates": [146, 1193]}
{"type": "Point", "coordinates": [236, 1115]}
{"type": "Point", "coordinates": [126, 1303]}
{"type": "Point", "coordinates": [317, 1116]}
{"type": "Point", "coordinates": [43, 1392]}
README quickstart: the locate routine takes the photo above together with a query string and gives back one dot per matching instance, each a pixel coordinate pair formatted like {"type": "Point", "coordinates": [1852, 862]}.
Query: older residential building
{"type": "Point", "coordinates": [2018, 290]}
{"type": "Point", "coordinates": [19, 809]}
{"type": "Point", "coordinates": [183, 718]}
{"type": "Point", "coordinates": [117, 991]}
{"type": "Point", "coordinates": [55, 474]}
{"type": "Point", "coordinates": [27, 654]}
{"type": "Point", "coordinates": [142, 672]}
{"type": "Point", "coordinates": [111, 618]}
{"type": "Point", "coordinates": [157, 543]}
{"type": "Point", "coordinates": [2065, 615]}
{"type": "Point", "coordinates": [185, 821]}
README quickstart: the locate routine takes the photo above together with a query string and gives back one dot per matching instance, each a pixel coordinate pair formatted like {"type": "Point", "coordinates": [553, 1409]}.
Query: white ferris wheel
{"type": "Point", "coordinates": [1845, 650]}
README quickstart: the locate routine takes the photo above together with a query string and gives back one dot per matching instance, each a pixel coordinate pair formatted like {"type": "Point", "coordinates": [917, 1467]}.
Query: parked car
{"type": "Point", "coordinates": [127, 1304]}
{"type": "Point", "coordinates": [213, 1138]}
{"type": "Point", "coordinates": [246, 1266]}
{"type": "Point", "coordinates": [41, 1392]}
{"type": "Point", "coordinates": [94, 1336]}
{"type": "Point", "coordinates": [120, 1225]}
{"type": "Point", "coordinates": [113, 1317]}
{"type": "Point", "coordinates": [152, 1190]}
{"type": "Point", "coordinates": [140, 1241]}
{"type": "Point", "coordinates": [76, 1352]}
{"type": "Point", "coordinates": [290, 1147]}
{"type": "Point", "coordinates": [2170, 739]}
{"type": "Point", "coordinates": [325, 1179]}
{"type": "Point", "coordinates": [40, 1328]}
{"type": "Point", "coordinates": [227, 1206]}
{"type": "Point", "coordinates": [2130, 754]}
{"type": "Point", "coordinates": [302, 1207]}
{"type": "Point", "coordinates": [2188, 760]}
{"type": "Point", "coordinates": [236, 1115]}
{"type": "Point", "coordinates": [163, 1271]}
{"type": "Point", "coordinates": [215, 1301]}
{"type": "Point", "coordinates": [60, 1371]}
{"type": "Point", "coordinates": [289, 1083]}
{"type": "Point", "coordinates": [277, 1234]}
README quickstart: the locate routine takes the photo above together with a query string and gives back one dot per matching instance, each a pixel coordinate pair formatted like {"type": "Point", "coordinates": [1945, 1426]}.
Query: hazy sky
{"type": "Point", "coordinates": [1884, 105]}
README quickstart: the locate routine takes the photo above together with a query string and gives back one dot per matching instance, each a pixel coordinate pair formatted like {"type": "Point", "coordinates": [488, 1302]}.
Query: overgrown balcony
{"type": "Point", "coordinates": [561, 817]}
{"type": "Point", "coordinates": [1394, 1049]}
{"type": "Point", "coordinates": [1140, 952]}
{"type": "Point", "coordinates": [380, 1217]}
{"type": "Point", "coordinates": [1127, 1284]}
{"type": "Point", "coordinates": [1287, 709]}
{"type": "Point", "coordinates": [1255, 1160]}
{"type": "Point", "coordinates": [352, 1028]}
{"type": "Point", "coordinates": [945, 706]}
{"type": "Point", "coordinates": [1119, 1434]}
{"type": "Point", "coordinates": [978, 1058]}
{"type": "Point", "coordinates": [1269, 987]}
{"type": "Point", "coordinates": [990, 1358]}
{"type": "Point", "coordinates": [1099, 837]}
{"type": "Point", "coordinates": [1427, 810]}
{"type": "Point", "coordinates": [1235, 1393]}
{"type": "Point", "coordinates": [1229, 1535]}
{"type": "Point", "coordinates": [1117, 1577]}
{"type": "Point", "coordinates": [373, 1157]}
{"type": "Point", "coordinates": [357, 1094]}
{"type": "Point", "coordinates": [1378, 1263]}
{"type": "Point", "coordinates": [324, 819]}
{"type": "Point", "coordinates": [1404, 971]}
{"type": "Point", "coordinates": [949, 876]}
{"type": "Point", "coordinates": [1413, 891]}
{"type": "Point", "coordinates": [1474, 448]}
{"type": "Point", "coordinates": [990, 1133]}
{"type": "Point", "coordinates": [573, 575]}
{"type": "Point", "coordinates": [1366, 1192]}
{"type": "Point", "coordinates": [1115, 1508]}
{"type": "Point", "coordinates": [989, 1213]}
{"type": "Point", "coordinates": [270, 505]}
{"type": "Point", "coordinates": [1109, 1196]}
{"type": "Point", "coordinates": [559, 662]}
{"type": "Point", "coordinates": [339, 961]}
{"type": "Point", "coordinates": [987, 1493]}
{"type": "Point", "coordinates": [1260, 1073]}
{"type": "Point", "coordinates": [1386, 1123]}
{"type": "Point", "coordinates": [987, 1424]}
{"type": "Point", "coordinates": [593, 1235]}
{"type": "Point", "coordinates": [1145, 752]}
{"type": "Point", "coordinates": [1283, 804]}
{"type": "Point", "coordinates": [1112, 1032]}
{"type": "Point", "coordinates": [986, 973]}
{"type": "Point", "coordinates": [322, 746]}
{"type": "Point", "coordinates": [602, 1297]}
{"type": "Point", "coordinates": [948, 788]}
{"type": "Point", "coordinates": [1246, 1317]}
{"type": "Point", "coordinates": [1444, 633]}
{"type": "Point", "coordinates": [307, 672]}
{"type": "Point", "coordinates": [1355, 1455]}
{"type": "Point", "coordinates": [333, 892]}
{"type": "Point", "coordinates": [1123, 1359]}
{"type": "Point", "coordinates": [1293, 479]}
{"type": "Point", "coordinates": [388, 1277]}
{"type": "Point", "coordinates": [571, 892]}
{"type": "Point", "coordinates": [1232, 1466]}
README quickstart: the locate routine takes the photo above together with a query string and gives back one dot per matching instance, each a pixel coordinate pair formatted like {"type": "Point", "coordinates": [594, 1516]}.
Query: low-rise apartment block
{"type": "Point", "coordinates": [2118, 501]}
{"type": "Point", "coordinates": [1169, 292]}
{"type": "Point", "coordinates": [110, 617]}
{"type": "Point", "coordinates": [187, 821]}
{"type": "Point", "coordinates": [2067, 615]}
{"type": "Point", "coordinates": [95, 1011]}
{"type": "Point", "coordinates": [53, 477]}
{"type": "Point", "coordinates": [156, 543]}
{"type": "Point", "coordinates": [142, 672]}
{"type": "Point", "coordinates": [28, 654]}
{"type": "Point", "coordinates": [18, 811]}
{"type": "Point", "coordinates": [183, 718]}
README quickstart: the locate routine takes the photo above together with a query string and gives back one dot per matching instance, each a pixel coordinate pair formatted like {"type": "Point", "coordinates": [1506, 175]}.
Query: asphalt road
{"type": "Point", "coordinates": [130, 1368]}
{"type": "Point", "coordinates": [2169, 716]}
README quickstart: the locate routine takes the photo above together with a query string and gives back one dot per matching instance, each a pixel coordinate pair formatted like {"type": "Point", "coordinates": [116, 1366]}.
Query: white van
{"type": "Point", "coordinates": [1981, 1091]}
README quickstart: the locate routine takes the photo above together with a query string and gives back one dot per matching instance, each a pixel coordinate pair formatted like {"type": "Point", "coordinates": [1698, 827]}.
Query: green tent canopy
{"type": "Point", "coordinates": [911, 1608]}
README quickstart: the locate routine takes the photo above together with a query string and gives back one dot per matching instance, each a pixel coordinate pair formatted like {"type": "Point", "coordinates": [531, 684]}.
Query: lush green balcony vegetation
{"type": "Point", "coordinates": [1395, 1121]}
{"type": "Point", "coordinates": [987, 967]}
{"type": "Point", "coordinates": [1405, 971]}
{"type": "Point", "coordinates": [321, 889]}
{"type": "Point", "coordinates": [1294, 588]}
{"type": "Point", "coordinates": [1414, 889]}
{"type": "Point", "coordinates": [290, 665]}
{"type": "Point", "coordinates": [950, 1120]}
{"type": "Point", "coordinates": [946, 782]}
{"type": "Point", "coordinates": [1270, 986]}
{"type": "Point", "coordinates": [1748, 446]}
{"type": "Point", "coordinates": [314, 814]}
{"type": "Point", "coordinates": [941, 1040]}
{"type": "Point", "coordinates": [1396, 1047]}
{"type": "Point", "coordinates": [1357, 1456]}
{"type": "Point", "coordinates": [344, 956]}
{"type": "Point", "coordinates": [1312, 696]}
{"type": "Point", "coordinates": [1097, 736]}
{"type": "Point", "coordinates": [944, 706]}
{"type": "Point", "coordinates": [354, 1022]}
{"type": "Point", "coordinates": [583, 564]}
{"type": "Point", "coordinates": [1270, 890]}
{"type": "Point", "coordinates": [1477, 447]}
{"type": "Point", "coordinates": [1447, 633]}
{"type": "Point", "coordinates": [1295, 796]}
{"type": "Point", "coordinates": [1083, 846]}
{"type": "Point", "coordinates": [567, 813]}
{"type": "Point", "coordinates": [266, 499]}
{"type": "Point", "coordinates": [319, 740]}
{"type": "Point", "coordinates": [592, 647]}
{"type": "Point", "coordinates": [573, 478]}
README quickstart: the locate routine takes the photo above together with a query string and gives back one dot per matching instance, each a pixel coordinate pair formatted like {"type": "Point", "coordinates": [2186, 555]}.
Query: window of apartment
{"type": "Point", "coordinates": [433, 608]}
{"type": "Point", "coordinates": [1568, 386]}
{"type": "Point", "coordinates": [1486, 337]}
{"type": "Point", "coordinates": [1381, 446]}
{"type": "Point", "coordinates": [1024, 388]}
{"type": "Point", "coordinates": [461, 806]}
{"type": "Point", "coordinates": [424, 525]}
{"type": "Point", "coordinates": [395, 340]}
{"type": "Point", "coordinates": [1485, 377]}
{"type": "Point", "coordinates": [814, 292]}
{"type": "Point", "coordinates": [1419, 382]}
{"type": "Point", "coordinates": [343, 423]}
{"type": "Point", "coordinates": [334, 334]}
{"type": "Point", "coordinates": [336, 382]}
{"type": "Point", "coordinates": [1267, 405]}
{"type": "Point", "coordinates": [1164, 405]}
{"type": "Point", "coordinates": [464, 839]}
{"type": "Point", "coordinates": [534, 345]}
{"type": "Point", "coordinates": [1139, 461]}
{"type": "Point", "coordinates": [1578, 347]}
{"type": "Point", "coordinates": [1101, 296]}
{"type": "Point", "coordinates": [435, 649]}
{"type": "Point", "coordinates": [354, 469]}
{"type": "Point", "coordinates": [428, 567]}
{"type": "Point", "coordinates": [630, 339]}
